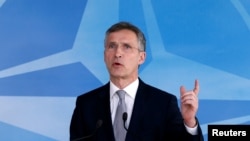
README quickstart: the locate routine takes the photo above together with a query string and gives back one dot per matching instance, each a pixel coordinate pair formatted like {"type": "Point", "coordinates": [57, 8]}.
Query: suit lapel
{"type": "Point", "coordinates": [139, 107]}
{"type": "Point", "coordinates": [105, 114]}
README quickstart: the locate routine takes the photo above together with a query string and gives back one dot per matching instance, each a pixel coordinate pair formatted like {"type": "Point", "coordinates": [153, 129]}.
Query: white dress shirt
{"type": "Point", "coordinates": [131, 90]}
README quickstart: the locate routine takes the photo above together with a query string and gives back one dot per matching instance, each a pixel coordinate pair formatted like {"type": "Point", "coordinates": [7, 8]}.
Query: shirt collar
{"type": "Point", "coordinates": [131, 89]}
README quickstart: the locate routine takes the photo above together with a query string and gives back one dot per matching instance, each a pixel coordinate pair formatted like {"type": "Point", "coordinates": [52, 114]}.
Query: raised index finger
{"type": "Point", "coordinates": [196, 87]}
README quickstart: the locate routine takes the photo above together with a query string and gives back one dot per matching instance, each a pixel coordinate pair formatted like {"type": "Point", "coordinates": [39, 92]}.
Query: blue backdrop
{"type": "Point", "coordinates": [52, 51]}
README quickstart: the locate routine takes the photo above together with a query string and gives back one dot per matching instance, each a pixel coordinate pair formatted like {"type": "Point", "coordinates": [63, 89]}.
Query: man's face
{"type": "Point", "coordinates": [122, 55]}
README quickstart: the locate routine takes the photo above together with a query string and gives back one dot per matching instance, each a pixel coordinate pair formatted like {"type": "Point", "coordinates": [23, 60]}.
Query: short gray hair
{"type": "Point", "coordinates": [126, 25]}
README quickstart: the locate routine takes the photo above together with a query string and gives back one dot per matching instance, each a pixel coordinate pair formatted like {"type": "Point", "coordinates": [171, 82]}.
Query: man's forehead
{"type": "Point", "coordinates": [122, 36]}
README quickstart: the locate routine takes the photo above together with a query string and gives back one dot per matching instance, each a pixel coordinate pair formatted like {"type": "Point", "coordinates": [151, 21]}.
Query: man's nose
{"type": "Point", "coordinates": [118, 51]}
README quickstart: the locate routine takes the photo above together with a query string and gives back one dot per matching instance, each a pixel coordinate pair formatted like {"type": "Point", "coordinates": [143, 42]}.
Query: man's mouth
{"type": "Point", "coordinates": [117, 64]}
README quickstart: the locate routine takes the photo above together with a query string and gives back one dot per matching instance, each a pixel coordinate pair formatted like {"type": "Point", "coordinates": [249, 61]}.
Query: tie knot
{"type": "Point", "coordinates": [121, 94]}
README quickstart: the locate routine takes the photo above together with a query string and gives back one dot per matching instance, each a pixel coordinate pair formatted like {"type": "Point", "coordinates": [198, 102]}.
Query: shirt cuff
{"type": "Point", "coordinates": [192, 131]}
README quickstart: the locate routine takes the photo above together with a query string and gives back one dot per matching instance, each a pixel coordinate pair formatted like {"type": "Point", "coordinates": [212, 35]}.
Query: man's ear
{"type": "Point", "coordinates": [142, 57]}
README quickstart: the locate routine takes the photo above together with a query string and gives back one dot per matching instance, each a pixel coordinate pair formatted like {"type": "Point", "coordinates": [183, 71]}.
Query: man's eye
{"type": "Point", "coordinates": [111, 46]}
{"type": "Point", "coordinates": [127, 47]}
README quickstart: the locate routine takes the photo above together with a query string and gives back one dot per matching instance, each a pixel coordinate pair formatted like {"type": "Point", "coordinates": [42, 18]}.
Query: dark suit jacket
{"type": "Point", "coordinates": [155, 117]}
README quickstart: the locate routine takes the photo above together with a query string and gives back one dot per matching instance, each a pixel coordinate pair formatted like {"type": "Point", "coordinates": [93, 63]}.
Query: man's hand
{"type": "Point", "coordinates": [189, 104]}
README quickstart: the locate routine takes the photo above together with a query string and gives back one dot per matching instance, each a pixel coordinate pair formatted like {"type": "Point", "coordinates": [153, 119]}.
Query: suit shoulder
{"type": "Point", "coordinates": [157, 91]}
{"type": "Point", "coordinates": [95, 92]}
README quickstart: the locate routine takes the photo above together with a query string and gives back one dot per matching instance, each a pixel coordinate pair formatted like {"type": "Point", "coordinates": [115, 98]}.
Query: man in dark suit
{"type": "Point", "coordinates": [150, 114]}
